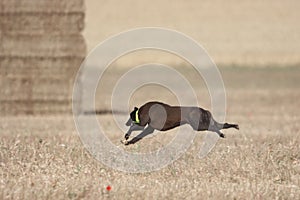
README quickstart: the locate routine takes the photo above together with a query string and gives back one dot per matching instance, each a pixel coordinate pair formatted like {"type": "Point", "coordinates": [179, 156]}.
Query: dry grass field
{"type": "Point", "coordinates": [43, 158]}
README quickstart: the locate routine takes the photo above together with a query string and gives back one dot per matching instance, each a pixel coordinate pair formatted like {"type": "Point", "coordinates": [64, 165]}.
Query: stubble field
{"type": "Point", "coordinates": [42, 157]}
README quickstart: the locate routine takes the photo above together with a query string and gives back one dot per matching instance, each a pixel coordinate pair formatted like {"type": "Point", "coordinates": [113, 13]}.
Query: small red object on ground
{"type": "Point", "coordinates": [108, 188]}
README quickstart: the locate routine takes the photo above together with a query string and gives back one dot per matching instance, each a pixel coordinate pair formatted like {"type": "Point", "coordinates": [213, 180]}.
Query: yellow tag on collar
{"type": "Point", "coordinates": [137, 120]}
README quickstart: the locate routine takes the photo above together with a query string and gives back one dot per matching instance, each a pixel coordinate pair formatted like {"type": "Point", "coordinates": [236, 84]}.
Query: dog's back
{"type": "Point", "coordinates": [163, 117]}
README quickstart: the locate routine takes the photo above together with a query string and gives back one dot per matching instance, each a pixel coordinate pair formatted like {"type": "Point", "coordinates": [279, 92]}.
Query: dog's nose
{"type": "Point", "coordinates": [129, 122]}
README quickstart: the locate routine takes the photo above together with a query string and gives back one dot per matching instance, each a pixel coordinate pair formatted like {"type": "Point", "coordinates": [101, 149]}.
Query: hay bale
{"type": "Point", "coordinates": [44, 6]}
{"type": "Point", "coordinates": [42, 23]}
{"type": "Point", "coordinates": [35, 89]}
{"type": "Point", "coordinates": [51, 89]}
{"type": "Point", "coordinates": [52, 107]}
{"type": "Point", "coordinates": [42, 45]}
{"type": "Point", "coordinates": [15, 89]}
{"type": "Point", "coordinates": [41, 49]}
{"type": "Point", "coordinates": [24, 67]}
{"type": "Point", "coordinates": [15, 107]}
{"type": "Point", "coordinates": [38, 107]}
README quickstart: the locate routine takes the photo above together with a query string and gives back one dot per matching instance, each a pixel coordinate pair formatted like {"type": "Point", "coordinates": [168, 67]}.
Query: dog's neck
{"type": "Point", "coordinates": [137, 120]}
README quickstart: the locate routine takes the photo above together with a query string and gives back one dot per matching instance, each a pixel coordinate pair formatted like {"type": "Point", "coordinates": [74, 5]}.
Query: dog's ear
{"type": "Point", "coordinates": [135, 108]}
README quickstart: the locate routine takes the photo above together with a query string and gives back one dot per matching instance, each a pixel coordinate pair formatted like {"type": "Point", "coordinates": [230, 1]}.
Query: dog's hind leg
{"type": "Point", "coordinates": [220, 133]}
{"type": "Point", "coordinates": [216, 127]}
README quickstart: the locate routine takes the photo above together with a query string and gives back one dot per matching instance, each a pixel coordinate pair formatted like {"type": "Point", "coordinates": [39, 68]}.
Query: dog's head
{"type": "Point", "coordinates": [132, 117]}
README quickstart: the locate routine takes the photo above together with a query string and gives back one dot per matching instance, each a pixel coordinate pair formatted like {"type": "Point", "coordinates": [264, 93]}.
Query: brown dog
{"type": "Point", "coordinates": [164, 117]}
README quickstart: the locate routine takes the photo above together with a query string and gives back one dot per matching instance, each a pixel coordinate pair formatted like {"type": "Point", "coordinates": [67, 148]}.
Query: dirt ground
{"type": "Point", "coordinates": [43, 157]}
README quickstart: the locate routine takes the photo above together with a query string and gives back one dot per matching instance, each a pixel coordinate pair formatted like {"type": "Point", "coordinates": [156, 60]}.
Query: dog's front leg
{"type": "Point", "coordinates": [143, 134]}
{"type": "Point", "coordinates": [133, 127]}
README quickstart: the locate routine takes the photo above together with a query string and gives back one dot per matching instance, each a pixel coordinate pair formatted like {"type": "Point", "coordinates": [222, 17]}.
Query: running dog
{"type": "Point", "coordinates": [163, 117]}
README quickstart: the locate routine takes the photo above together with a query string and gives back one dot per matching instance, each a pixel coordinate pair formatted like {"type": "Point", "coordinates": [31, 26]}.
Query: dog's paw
{"type": "Point", "coordinates": [125, 142]}
{"type": "Point", "coordinates": [126, 136]}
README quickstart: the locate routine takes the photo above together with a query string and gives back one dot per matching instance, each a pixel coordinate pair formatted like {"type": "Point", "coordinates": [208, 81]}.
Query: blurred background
{"type": "Point", "coordinates": [245, 33]}
{"type": "Point", "coordinates": [44, 42]}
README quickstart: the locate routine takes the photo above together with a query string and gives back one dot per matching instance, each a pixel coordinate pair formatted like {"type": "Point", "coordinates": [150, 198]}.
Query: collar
{"type": "Point", "coordinates": [137, 120]}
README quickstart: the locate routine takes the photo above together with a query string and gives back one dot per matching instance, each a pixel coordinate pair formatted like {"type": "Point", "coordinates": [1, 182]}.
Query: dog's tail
{"type": "Point", "coordinates": [227, 125]}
